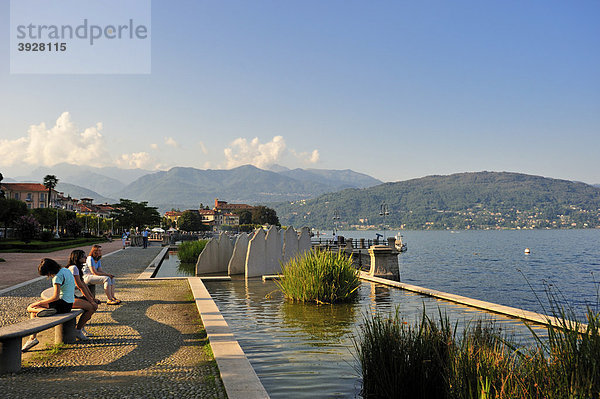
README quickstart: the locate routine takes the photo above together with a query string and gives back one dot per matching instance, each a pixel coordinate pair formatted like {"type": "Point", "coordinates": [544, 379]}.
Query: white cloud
{"type": "Point", "coordinates": [171, 142]}
{"type": "Point", "coordinates": [141, 160]}
{"type": "Point", "coordinates": [254, 153]}
{"type": "Point", "coordinates": [61, 143]}
{"type": "Point", "coordinates": [306, 157]}
{"type": "Point", "coordinates": [154, 146]}
{"type": "Point", "coordinates": [242, 152]}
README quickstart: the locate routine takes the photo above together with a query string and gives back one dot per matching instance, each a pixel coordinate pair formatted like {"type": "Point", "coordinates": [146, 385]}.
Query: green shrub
{"type": "Point", "coordinates": [321, 277]}
{"type": "Point", "coordinates": [190, 250]}
{"type": "Point", "coordinates": [46, 236]}
{"type": "Point", "coordinates": [2, 260]}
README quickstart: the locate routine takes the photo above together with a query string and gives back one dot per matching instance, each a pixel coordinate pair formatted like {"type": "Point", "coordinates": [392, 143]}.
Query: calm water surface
{"type": "Point", "coordinates": [491, 265]}
{"type": "Point", "coordinates": [307, 351]}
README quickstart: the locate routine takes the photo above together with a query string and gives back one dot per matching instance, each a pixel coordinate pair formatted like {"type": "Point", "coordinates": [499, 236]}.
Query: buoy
{"type": "Point", "coordinates": [527, 250]}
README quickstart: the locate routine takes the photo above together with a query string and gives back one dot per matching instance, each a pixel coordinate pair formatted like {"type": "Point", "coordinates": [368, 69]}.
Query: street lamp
{"type": "Point", "coordinates": [384, 211]}
{"type": "Point", "coordinates": [56, 235]}
{"type": "Point", "coordinates": [336, 218]}
{"type": "Point", "coordinates": [56, 232]}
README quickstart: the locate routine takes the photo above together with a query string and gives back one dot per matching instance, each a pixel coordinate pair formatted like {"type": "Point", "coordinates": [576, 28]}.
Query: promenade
{"type": "Point", "coordinates": [152, 345]}
{"type": "Point", "coordinates": [20, 267]}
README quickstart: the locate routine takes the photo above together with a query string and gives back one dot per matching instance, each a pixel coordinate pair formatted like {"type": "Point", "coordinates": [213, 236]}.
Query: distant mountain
{"type": "Point", "coordinates": [277, 168]}
{"type": "Point", "coordinates": [596, 185]}
{"type": "Point", "coordinates": [106, 181]}
{"type": "Point", "coordinates": [459, 201]}
{"type": "Point", "coordinates": [81, 192]}
{"type": "Point", "coordinates": [334, 178]}
{"type": "Point", "coordinates": [185, 188]}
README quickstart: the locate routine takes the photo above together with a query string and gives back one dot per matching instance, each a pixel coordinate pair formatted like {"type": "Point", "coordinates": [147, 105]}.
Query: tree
{"type": "Point", "coordinates": [135, 214]}
{"type": "Point", "coordinates": [191, 221]}
{"type": "Point", "coordinates": [264, 215]}
{"type": "Point", "coordinates": [10, 211]}
{"type": "Point", "coordinates": [50, 181]}
{"type": "Point", "coordinates": [27, 227]}
{"type": "Point", "coordinates": [73, 228]}
{"type": "Point", "coordinates": [45, 216]}
{"type": "Point", "coordinates": [1, 191]}
{"type": "Point", "coordinates": [245, 216]}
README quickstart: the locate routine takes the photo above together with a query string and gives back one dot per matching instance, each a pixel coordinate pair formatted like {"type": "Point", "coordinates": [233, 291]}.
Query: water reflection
{"type": "Point", "coordinates": [306, 351]}
{"type": "Point", "coordinates": [379, 294]}
{"type": "Point", "coordinates": [324, 324]}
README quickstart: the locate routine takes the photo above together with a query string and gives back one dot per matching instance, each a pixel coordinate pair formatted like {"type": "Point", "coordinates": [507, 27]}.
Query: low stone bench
{"type": "Point", "coordinates": [11, 336]}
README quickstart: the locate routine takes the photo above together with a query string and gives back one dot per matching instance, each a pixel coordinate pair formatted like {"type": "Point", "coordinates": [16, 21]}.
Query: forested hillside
{"type": "Point", "coordinates": [460, 201]}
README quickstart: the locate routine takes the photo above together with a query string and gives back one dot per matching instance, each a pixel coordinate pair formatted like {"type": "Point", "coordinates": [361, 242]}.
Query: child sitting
{"type": "Point", "coordinates": [61, 300]}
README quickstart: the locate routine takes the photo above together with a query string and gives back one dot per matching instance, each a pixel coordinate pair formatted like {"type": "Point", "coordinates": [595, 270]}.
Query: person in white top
{"type": "Point", "coordinates": [93, 274]}
{"type": "Point", "coordinates": [88, 303]}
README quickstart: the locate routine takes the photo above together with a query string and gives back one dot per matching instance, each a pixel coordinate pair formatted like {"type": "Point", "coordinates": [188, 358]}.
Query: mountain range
{"type": "Point", "coordinates": [187, 188]}
{"type": "Point", "coordinates": [312, 196]}
{"type": "Point", "coordinates": [460, 201]}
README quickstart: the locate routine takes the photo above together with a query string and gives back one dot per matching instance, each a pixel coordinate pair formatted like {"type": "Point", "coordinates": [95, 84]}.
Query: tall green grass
{"type": "Point", "coordinates": [319, 276]}
{"type": "Point", "coordinates": [189, 251]}
{"type": "Point", "coordinates": [428, 359]}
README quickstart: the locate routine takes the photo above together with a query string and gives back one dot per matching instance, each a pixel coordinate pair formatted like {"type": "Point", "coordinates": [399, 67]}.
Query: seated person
{"type": "Point", "coordinates": [61, 300]}
{"type": "Point", "coordinates": [93, 274]}
{"type": "Point", "coordinates": [88, 303]}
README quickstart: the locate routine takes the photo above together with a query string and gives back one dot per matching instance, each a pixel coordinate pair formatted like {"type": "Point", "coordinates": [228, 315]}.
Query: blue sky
{"type": "Point", "coordinates": [393, 89]}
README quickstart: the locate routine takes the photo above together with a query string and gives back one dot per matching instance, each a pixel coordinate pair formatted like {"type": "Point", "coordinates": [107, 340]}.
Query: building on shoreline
{"type": "Point", "coordinates": [35, 195]}
{"type": "Point", "coordinates": [223, 213]}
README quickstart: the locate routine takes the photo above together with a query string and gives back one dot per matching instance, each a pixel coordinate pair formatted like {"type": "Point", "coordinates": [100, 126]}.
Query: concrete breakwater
{"type": "Point", "coordinates": [260, 253]}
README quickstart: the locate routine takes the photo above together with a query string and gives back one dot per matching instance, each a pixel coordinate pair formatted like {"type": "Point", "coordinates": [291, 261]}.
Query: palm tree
{"type": "Point", "coordinates": [50, 181]}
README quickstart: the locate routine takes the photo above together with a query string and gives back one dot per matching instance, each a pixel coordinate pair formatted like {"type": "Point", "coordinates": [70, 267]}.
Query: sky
{"type": "Point", "coordinates": [393, 89]}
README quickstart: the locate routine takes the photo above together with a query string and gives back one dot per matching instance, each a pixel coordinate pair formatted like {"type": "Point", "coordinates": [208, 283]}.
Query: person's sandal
{"type": "Point", "coordinates": [46, 312]}
{"type": "Point", "coordinates": [113, 302]}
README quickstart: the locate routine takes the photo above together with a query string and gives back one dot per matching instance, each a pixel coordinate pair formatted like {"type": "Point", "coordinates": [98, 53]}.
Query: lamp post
{"type": "Point", "coordinates": [56, 232]}
{"type": "Point", "coordinates": [384, 211]}
{"type": "Point", "coordinates": [98, 231]}
{"type": "Point", "coordinates": [336, 218]}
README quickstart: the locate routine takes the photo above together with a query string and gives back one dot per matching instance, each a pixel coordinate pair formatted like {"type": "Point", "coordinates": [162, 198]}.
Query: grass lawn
{"type": "Point", "coordinates": [36, 246]}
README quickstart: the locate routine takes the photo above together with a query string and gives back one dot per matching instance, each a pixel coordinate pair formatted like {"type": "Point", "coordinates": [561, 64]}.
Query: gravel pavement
{"type": "Point", "coordinates": [152, 345]}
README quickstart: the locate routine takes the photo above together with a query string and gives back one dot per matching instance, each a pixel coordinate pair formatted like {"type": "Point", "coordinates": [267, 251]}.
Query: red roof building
{"type": "Point", "coordinates": [35, 195]}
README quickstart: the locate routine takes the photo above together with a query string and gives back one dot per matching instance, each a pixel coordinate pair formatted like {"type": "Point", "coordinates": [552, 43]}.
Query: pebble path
{"type": "Point", "coordinates": [152, 345]}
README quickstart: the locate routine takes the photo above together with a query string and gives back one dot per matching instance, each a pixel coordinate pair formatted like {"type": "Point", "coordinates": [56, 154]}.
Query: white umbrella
{"type": "Point", "coordinates": [172, 229]}
{"type": "Point", "coordinates": [158, 230]}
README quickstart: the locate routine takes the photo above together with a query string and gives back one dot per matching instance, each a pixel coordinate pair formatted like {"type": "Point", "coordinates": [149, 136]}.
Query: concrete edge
{"type": "Point", "coordinates": [151, 269]}
{"type": "Point", "coordinates": [34, 280]}
{"type": "Point", "coordinates": [23, 284]}
{"type": "Point", "coordinates": [526, 315]}
{"type": "Point", "coordinates": [238, 376]}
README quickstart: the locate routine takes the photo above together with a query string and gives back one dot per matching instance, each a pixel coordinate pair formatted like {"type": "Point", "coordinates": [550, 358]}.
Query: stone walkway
{"type": "Point", "coordinates": [152, 345]}
{"type": "Point", "coordinates": [20, 267]}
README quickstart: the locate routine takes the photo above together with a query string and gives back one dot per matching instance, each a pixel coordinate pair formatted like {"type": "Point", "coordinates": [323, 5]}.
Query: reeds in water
{"type": "Point", "coordinates": [319, 276]}
{"type": "Point", "coordinates": [429, 360]}
{"type": "Point", "coordinates": [189, 251]}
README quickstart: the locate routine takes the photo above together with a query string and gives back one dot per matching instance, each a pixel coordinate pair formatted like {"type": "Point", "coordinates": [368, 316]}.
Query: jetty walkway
{"type": "Point", "coordinates": [151, 345]}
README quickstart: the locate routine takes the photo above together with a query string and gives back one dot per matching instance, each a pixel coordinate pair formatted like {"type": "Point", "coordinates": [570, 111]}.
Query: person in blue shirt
{"type": "Point", "coordinates": [145, 238]}
{"type": "Point", "coordinates": [61, 300]}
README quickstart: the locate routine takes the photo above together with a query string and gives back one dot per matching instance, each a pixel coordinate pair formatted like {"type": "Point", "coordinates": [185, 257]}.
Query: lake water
{"type": "Point", "coordinates": [307, 351]}
{"type": "Point", "coordinates": [491, 265]}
